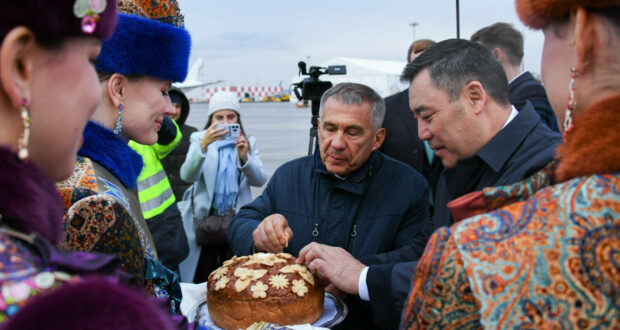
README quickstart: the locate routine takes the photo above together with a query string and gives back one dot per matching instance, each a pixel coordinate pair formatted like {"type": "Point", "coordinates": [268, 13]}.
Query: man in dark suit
{"type": "Point", "coordinates": [401, 140]}
{"type": "Point", "coordinates": [506, 44]}
{"type": "Point", "coordinates": [459, 93]}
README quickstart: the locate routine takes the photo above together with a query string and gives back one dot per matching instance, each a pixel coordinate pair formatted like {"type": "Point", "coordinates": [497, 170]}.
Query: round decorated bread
{"type": "Point", "coordinates": [263, 287]}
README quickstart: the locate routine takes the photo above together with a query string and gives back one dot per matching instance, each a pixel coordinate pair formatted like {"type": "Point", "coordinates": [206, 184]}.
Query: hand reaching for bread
{"type": "Point", "coordinates": [334, 264]}
{"type": "Point", "coordinates": [272, 234]}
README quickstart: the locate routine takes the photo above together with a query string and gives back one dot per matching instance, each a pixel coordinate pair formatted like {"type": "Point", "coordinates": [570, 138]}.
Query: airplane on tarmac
{"type": "Point", "coordinates": [192, 80]}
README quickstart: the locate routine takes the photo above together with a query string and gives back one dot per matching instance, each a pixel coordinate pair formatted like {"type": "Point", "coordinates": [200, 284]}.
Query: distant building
{"type": "Point", "coordinates": [255, 93]}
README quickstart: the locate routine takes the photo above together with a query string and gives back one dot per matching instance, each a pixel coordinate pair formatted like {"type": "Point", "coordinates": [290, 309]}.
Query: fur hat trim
{"type": "Point", "coordinates": [146, 47]}
{"type": "Point", "coordinates": [538, 13]}
{"type": "Point", "coordinates": [591, 147]}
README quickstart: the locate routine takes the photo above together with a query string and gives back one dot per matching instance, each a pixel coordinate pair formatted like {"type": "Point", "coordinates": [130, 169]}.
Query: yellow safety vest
{"type": "Point", "coordinates": [154, 190]}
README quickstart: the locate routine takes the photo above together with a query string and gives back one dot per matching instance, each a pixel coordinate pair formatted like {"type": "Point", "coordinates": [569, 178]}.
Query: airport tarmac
{"type": "Point", "coordinates": [282, 131]}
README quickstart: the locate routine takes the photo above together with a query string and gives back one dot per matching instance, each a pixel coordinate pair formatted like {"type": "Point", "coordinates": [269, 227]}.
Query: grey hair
{"type": "Point", "coordinates": [353, 93]}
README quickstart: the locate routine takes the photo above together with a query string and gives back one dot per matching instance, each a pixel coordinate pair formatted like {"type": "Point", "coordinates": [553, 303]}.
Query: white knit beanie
{"type": "Point", "coordinates": [224, 101]}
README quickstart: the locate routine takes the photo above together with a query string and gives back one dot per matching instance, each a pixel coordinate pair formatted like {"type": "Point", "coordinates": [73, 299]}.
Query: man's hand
{"type": "Point", "coordinates": [272, 234]}
{"type": "Point", "coordinates": [334, 264]}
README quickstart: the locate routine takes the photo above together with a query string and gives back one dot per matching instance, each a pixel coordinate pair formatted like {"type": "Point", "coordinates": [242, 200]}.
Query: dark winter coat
{"type": "Point", "coordinates": [382, 208]}
{"type": "Point", "coordinates": [379, 208]}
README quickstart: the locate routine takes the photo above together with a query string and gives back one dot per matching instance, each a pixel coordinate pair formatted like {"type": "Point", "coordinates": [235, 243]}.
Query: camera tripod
{"type": "Point", "coordinates": [314, 131]}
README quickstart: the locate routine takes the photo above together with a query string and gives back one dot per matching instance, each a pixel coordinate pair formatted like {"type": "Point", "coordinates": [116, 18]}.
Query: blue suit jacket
{"type": "Point", "coordinates": [521, 148]}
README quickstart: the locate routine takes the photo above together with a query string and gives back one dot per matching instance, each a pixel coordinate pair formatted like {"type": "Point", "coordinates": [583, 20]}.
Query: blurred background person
{"type": "Point", "coordinates": [546, 253]}
{"type": "Point", "coordinates": [172, 163]}
{"type": "Point", "coordinates": [506, 45]}
{"type": "Point", "coordinates": [417, 47]}
{"type": "Point", "coordinates": [222, 171]}
{"type": "Point", "coordinates": [401, 131]}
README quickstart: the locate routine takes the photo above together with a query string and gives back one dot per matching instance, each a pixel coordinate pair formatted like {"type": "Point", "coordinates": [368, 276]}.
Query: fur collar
{"type": "Point", "coordinates": [592, 146]}
{"type": "Point", "coordinates": [111, 152]}
{"type": "Point", "coordinates": [29, 201]}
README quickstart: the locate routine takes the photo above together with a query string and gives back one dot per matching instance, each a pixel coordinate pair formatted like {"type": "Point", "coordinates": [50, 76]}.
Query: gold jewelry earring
{"type": "Point", "coordinates": [570, 107]}
{"type": "Point", "coordinates": [22, 141]}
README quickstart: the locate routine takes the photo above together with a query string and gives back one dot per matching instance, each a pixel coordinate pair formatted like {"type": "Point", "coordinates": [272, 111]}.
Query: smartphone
{"type": "Point", "coordinates": [233, 131]}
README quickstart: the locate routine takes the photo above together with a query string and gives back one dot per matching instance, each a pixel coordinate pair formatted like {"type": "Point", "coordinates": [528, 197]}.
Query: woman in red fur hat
{"type": "Point", "coordinates": [547, 252]}
{"type": "Point", "coordinates": [48, 90]}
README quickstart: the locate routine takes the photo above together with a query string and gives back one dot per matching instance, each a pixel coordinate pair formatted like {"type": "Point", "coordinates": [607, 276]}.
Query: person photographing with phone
{"type": "Point", "coordinates": [227, 132]}
{"type": "Point", "coordinates": [222, 163]}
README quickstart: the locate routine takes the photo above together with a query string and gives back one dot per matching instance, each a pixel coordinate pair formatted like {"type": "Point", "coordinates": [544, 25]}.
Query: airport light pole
{"type": "Point", "coordinates": [413, 25]}
{"type": "Point", "coordinates": [458, 23]}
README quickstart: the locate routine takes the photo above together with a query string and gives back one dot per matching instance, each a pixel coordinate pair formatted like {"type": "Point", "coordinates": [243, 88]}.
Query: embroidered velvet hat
{"type": "Point", "coordinates": [538, 13]}
{"type": "Point", "coordinates": [166, 11]}
{"type": "Point", "coordinates": [52, 21]}
{"type": "Point", "coordinates": [150, 40]}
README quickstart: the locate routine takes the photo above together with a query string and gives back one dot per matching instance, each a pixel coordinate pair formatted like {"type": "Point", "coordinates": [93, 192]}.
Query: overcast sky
{"type": "Point", "coordinates": [250, 42]}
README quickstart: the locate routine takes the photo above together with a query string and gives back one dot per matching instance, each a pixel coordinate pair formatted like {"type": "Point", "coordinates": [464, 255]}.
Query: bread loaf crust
{"type": "Point", "coordinates": [263, 287]}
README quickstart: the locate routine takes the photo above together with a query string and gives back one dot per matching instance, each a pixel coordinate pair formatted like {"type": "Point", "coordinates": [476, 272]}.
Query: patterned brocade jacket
{"type": "Point", "coordinates": [547, 253]}
{"type": "Point", "coordinates": [102, 215]}
{"type": "Point", "coordinates": [102, 212]}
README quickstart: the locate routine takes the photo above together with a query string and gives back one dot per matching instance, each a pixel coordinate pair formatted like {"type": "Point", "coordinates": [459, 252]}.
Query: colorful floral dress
{"type": "Point", "coordinates": [30, 224]}
{"type": "Point", "coordinates": [22, 277]}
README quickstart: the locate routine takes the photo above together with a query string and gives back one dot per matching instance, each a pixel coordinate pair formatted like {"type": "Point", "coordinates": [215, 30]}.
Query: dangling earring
{"type": "Point", "coordinates": [568, 116]}
{"type": "Point", "coordinates": [119, 121]}
{"type": "Point", "coordinates": [22, 141]}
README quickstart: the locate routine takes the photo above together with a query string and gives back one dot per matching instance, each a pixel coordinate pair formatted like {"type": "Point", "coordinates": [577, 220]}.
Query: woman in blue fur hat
{"type": "Point", "coordinates": [136, 68]}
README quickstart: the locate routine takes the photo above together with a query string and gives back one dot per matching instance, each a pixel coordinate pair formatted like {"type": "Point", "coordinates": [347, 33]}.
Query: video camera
{"type": "Point", "coordinates": [312, 89]}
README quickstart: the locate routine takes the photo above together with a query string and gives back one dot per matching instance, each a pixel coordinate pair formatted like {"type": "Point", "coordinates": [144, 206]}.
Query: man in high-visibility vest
{"type": "Point", "coordinates": [157, 201]}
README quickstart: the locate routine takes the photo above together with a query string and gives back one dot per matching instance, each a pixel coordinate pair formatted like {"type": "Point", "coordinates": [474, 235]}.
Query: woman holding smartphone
{"type": "Point", "coordinates": [222, 169]}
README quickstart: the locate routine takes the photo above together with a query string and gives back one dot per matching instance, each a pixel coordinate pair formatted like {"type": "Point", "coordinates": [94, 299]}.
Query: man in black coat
{"type": "Point", "coordinates": [459, 94]}
{"type": "Point", "coordinates": [401, 139]}
{"type": "Point", "coordinates": [506, 44]}
{"type": "Point", "coordinates": [172, 163]}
